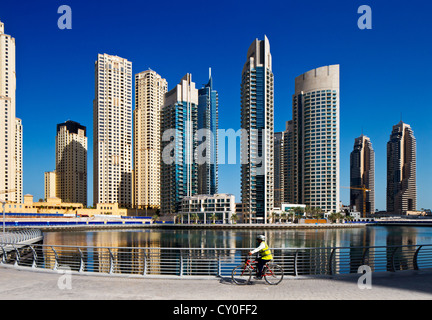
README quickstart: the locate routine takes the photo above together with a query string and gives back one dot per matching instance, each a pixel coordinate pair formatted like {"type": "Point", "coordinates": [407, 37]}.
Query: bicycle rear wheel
{"type": "Point", "coordinates": [241, 275]}
{"type": "Point", "coordinates": [273, 274]}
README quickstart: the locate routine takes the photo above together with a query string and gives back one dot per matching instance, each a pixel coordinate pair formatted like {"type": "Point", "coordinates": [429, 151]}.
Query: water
{"type": "Point", "coordinates": [291, 238]}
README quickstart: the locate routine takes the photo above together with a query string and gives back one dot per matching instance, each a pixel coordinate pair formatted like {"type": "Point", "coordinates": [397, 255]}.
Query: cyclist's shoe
{"type": "Point", "coordinates": [258, 278]}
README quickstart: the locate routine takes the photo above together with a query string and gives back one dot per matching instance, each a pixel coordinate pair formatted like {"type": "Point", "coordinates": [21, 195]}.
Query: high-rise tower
{"type": "Point", "coordinates": [288, 163]}
{"type": "Point", "coordinates": [208, 122]}
{"type": "Point", "coordinates": [257, 140]}
{"type": "Point", "coordinates": [362, 175]}
{"type": "Point", "coordinates": [150, 89]}
{"type": "Point", "coordinates": [112, 131]}
{"type": "Point", "coordinates": [401, 170]}
{"type": "Point", "coordinates": [315, 145]}
{"type": "Point", "coordinates": [279, 176]}
{"type": "Point", "coordinates": [71, 162]}
{"type": "Point", "coordinates": [179, 170]}
{"type": "Point", "coordinates": [10, 127]}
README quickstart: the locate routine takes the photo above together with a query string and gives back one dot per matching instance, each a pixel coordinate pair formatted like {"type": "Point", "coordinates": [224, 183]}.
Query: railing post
{"type": "Point", "coordinates": [219, 272]}
{"type": "Point", "coordinates": [364, 256]}
{"type": "Point", "coordinates": [181, 264]}
{"type": "Point", "coordinates": [415, 258]}
{"type": "Point", "coordinates": [330, 261]}
{"type": "Point", "coordinates": [56, 264]}
{"type": "Point", "coordinates": [3, 260]}
{"type": "Point", "coordinates": [111, 261]}
{"type": "Point", "coordinates": [393, 267]}
{"type": "Point", "coordinates": [81, 268]}
{"type": "Point", "coordinates": [145, 264]}
{"type": "Point", "coordinates": [34, 257]}
{"type": "Point", "coordinates": [17, 256]}
{"type": "Point", "coordinates": [295, 263]}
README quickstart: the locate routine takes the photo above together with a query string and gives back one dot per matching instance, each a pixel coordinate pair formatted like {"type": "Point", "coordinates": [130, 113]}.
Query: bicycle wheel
{"type": "Point", "coordinates": [241, 275]}
{"type": "Point", "coordinates": [273, 274]}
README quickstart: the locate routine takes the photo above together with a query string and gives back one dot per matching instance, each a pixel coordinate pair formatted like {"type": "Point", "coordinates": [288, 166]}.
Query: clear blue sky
{"type": "Point", "coordinates": [384, 71]}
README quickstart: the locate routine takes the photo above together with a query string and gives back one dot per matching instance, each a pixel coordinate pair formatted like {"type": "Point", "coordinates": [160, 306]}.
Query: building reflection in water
{"type": "Point", "coordinates": [400, 258]}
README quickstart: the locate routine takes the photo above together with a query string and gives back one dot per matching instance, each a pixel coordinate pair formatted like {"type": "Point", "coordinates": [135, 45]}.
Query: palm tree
{"type": "Point", "coordinates": [316, 212]}
{"type": "Point", "coordinates": [273, 216]}
{"type": "Point", "coordinates": [195, 217]}
{"type": "Point", "coordinates": [291, 211]}
{"type": "Point", "coordinates": [334, 217]}
{"type": "Point", "coordinates": [298, 211]}
{"type": "Point", "coordinates": [234, 218]}
{"type": "Point", "coordinates": [213, 217]}
{"type": "Point", "coordinates": [284, 216]}
{"type": "Point", "coordinates": [349, 218]}
{"type": "Point", "coordinates": [179, 217]}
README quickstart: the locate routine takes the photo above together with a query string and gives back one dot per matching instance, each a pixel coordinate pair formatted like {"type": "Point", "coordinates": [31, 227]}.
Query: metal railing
{"type": "Point", "coordinates": [18, 236]}
{"type": "Point", "coordinates": [214, 261]}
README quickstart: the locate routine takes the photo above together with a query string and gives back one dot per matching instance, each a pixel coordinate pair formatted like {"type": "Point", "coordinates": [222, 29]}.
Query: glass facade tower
{"type": "Point", "coordinates": [208, 120]}
{"type": "Point", "coordinates": [179, 170]}
{"type": "Point", "coordinates": [257, 140]}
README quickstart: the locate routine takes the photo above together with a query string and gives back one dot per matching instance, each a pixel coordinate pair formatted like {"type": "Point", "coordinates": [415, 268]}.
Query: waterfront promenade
{"type": "Point", "coordinates": [25, 284]}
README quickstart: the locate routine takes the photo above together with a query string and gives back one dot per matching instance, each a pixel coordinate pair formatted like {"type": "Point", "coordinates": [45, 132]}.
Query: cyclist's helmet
{"type": "Point", "coordinates": [261, 237]}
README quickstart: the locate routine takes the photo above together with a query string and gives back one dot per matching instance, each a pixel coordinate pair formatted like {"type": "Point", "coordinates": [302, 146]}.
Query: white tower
{"type": "Point", "coordinates": [112, 131]}
{"type": "Point", "coordinates": [10, 126]}
{"type": "Point", "coordinates": [315, 143]}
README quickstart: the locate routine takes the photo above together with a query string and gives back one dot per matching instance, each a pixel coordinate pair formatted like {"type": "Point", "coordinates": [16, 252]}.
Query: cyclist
{"type": "Point", "coordinates": [265, 255]}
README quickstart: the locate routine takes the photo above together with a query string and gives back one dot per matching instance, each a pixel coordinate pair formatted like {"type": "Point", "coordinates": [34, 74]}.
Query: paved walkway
{"type": "Point", "coordinates": [24, 284]}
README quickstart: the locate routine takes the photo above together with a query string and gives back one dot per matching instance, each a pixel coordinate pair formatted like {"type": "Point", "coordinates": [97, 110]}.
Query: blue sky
{"type": "Point", "coordinates": [385, 72]}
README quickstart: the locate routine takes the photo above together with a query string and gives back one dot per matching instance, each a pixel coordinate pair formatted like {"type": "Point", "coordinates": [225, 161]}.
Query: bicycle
{"type": "Point", "coordinates": [272, 273]}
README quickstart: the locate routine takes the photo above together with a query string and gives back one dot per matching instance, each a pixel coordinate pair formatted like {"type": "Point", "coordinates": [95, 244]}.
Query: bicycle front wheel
{"type": "Point", "coordinates": [273, 274]}
{"type": "Point", "coordinates": [241, 275]}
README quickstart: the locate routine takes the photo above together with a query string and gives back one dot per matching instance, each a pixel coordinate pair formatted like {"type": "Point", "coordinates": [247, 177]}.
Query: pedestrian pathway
{"type": "Point", "coordinates": [24, 284]}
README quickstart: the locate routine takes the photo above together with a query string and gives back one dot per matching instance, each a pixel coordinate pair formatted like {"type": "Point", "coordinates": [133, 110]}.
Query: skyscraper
{"type": "Point", "coordinates": [50, 184]}
{"type": "Point", "coordinates": [10, 127]}
{"type": "Point", "coordinates": [287, 159]}
{"type": "Point", "coordinates": [401, 170]}
{"type": "Point", "coordinates": [208, 105]}
{"type": "Point", "coordinates": [179, 170]}
{"type": "Point", "coordinates": [362, 175]}
{"type": "Point", "coordinates": [283, 173]}
{"type": "Point", "coordinates": [279, 175]}
{"type": "Point", "coordinates": [257, 145]}
{"type": "Point", "coordinates": [19, 160]}
{"type": "Point", "coordinates": [112, 131]}
{"type": "Point", "coordinates": [315, 143]}
{"type": "Point", "coordinates": [150, 89]}
{"type": "Point", "coordinates": [71, 162]}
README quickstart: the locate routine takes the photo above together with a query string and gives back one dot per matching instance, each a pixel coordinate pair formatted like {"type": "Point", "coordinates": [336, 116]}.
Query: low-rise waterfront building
{"type": "Point", "coordinates": [51, 205]}
{"type": "Point", "coordinates": [208, 208]}
{"type": "Point", "coordinates": [55, 205]}
{"type": "Point", "coordinates": [282, 213]}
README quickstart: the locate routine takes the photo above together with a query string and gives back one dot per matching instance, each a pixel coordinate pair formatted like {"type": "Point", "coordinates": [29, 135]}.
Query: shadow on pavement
{"type": "Point", "coordinates": [420, 280]}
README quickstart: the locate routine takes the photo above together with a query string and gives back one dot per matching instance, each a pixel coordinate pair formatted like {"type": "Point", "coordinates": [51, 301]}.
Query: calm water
{"type": "Point", "coordinates": [174, 238]}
